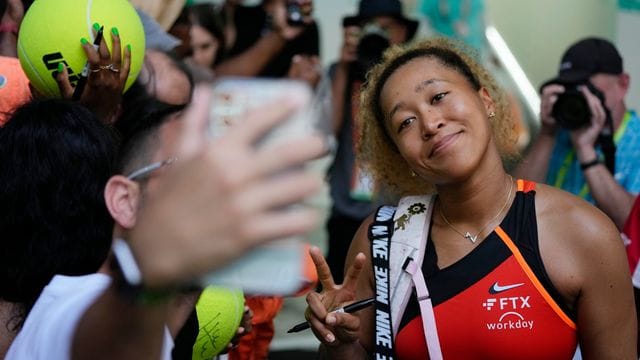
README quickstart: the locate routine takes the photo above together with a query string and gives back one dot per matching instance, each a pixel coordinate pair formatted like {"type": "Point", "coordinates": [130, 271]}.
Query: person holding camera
{"type": "Point", "coordinates": [262, 40]}
{"type": "Point", "coordinates": [589, 142]}
{"type": "Point", "coordinates": [378, 24]}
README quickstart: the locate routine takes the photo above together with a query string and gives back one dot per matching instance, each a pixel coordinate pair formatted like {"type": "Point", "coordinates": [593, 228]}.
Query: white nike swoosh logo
{"type": "Point", "coordinates": [495, 288]}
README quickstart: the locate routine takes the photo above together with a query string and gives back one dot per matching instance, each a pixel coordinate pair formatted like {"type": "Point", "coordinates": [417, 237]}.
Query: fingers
{"type": "Point", "coordinates": [280, 156]}
{"type": "Point", "coordinates": [116, 59]}
{"type": "Point", "coordinates": [193, 134]}
{"type": "Point", "coordinates": [246, 320]}
{"type": "Point", "coordinates": [116, 47]}
{"type": "Point", "coordinates": [353, 273]}
{"type": "Point", "coordinates": [260, 120]}
{"type": "Point", "coordinates": [549, 97]}
{"type": "Point", "coordinates": [92, 55]}
{"type": "Point", "coordinates": [62, 79]}
{"type": "Point", "coordinates": [345, 326]}
{"type": "Point", "coordinates": [322, 268]}
{"type": "Point", "coordinates": [330, 326]}
{"type": "Point", "coordinates": [598, 115]}
{"type": "Point", "coordinates": [103, 50]}
{"type": "Point", "coordinates": [279, 191]}
{"type": "Point", "coordinates": [278, 224]}
{"type": "Point", "coordinates": [126, 65]}
{"type": "Point", "coordinates": [305, 67]}
{"type": "Point", "coordinates": [315, 315]}
{"type": "Point", "coordinates": [102, 55]}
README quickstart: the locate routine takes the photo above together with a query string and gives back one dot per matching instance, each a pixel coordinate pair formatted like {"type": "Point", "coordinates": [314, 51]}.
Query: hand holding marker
{"type": "Point", "coordinates": [77, 93]}
{"type": "Point", "coordinates": [351, 308]}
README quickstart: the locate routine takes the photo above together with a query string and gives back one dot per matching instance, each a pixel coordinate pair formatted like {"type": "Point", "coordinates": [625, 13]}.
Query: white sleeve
{"type": "Point", "coordinates": [48, 331]}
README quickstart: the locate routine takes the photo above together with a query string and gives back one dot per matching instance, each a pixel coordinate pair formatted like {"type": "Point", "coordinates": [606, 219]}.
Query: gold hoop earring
{"type": "Point", "coordinates": [492, 115]}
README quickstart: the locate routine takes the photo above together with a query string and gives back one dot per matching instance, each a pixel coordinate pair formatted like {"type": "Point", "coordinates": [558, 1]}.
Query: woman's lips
{"type": "Point", "coordinates": [444, 142]}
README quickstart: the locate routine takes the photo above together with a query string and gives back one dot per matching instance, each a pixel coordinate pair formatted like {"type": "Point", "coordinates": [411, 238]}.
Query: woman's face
{"type": "Point", "coordinates": [204, 46]}
{"type": "Point", "coordinates": [436, 119]}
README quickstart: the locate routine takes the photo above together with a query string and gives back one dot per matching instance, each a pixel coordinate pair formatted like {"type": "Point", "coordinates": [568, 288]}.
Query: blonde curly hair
{"type": "Point", "coordinates": [378, 153]}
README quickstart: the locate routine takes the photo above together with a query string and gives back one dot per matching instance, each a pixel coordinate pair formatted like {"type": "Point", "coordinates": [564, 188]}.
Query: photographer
{"type": "Point", "coordinates": [589, 143]}
{"type": "Point", "coordinates": [262, 40]}
{"type": "Point", "coordinates": [378, 24]}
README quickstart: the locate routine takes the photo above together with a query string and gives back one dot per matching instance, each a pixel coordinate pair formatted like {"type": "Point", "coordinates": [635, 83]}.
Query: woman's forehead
{"type": "Point", "coordinates": [417, 75]}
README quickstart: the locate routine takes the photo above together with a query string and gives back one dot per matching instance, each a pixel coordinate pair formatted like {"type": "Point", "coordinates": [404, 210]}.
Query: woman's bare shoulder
{"type": "Point", "coordinates": [566, 214]}
{"type": "Point", "coordinates": [578, 242]}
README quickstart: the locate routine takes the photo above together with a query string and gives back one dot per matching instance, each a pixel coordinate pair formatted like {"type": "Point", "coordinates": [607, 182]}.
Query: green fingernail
{"type": "Point", "coordinates": [129, 47]}
{"type": "Point", "coordinates": [84, 41]}
{"type": "Point", "coordinates": [60, 67]}
{"type": "Point", "coordinates": [96, 26]}
{"type": "Point", "coordinates": [114, 31]}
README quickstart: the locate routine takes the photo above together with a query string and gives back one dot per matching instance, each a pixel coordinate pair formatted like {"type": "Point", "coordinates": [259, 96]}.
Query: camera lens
{"type": "Point", "coordinates": [571, 110]}
{"type": "Point", "coordinates": [373, 42]}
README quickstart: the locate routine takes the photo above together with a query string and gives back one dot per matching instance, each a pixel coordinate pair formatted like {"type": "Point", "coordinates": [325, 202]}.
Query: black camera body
{"type": "Point", "coordinates": [372, 43]}
{"type": "Point", "coordinates": [295, 15]}
{"type": "Point", "coordinates": [571, 110]}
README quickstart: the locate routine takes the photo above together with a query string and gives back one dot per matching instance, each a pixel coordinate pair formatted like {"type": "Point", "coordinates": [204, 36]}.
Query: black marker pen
{"type": "Point", "coordinates": [351, 308]}
{"type": "Point", "coordinates": [77, 92]}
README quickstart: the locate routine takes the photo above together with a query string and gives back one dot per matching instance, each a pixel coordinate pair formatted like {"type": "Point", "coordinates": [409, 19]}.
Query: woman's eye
{"type": "Point", "coordinates": [438, 97]}
{"type": "Point", "coordinates": [406, 122]}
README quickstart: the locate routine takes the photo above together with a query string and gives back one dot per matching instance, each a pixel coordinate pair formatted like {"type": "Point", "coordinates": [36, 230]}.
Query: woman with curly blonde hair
{"type": "Point", "coordinates": [471, 263]}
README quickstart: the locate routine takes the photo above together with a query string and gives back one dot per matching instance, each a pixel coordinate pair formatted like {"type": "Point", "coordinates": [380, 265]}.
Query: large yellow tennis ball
{"type": "Point", "coordinates": [219, 313]}
{"type": "Point", "coordinates": [51, 30]}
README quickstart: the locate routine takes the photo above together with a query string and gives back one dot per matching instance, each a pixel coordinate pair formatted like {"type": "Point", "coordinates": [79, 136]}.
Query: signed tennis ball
{"type": "Point", "coordinates": [219, 313]}
{"type": "Point", "coordinates": [51, 30]}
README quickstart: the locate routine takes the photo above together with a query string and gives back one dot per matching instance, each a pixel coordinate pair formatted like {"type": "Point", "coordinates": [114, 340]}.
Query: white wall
{"type": "Point", "coordinates": [539, 31]}
{"type": "Point", "coordinates": [329, 14]}
{"type": "Point", "coordinates": [629, 46]}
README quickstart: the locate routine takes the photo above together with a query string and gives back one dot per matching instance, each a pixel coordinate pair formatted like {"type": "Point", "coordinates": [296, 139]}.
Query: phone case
{"type": "Point", "coordinates": [276, 268]}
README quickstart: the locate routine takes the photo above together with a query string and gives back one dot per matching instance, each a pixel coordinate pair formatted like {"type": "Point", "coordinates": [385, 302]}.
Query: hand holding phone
{"type": "Point", "coordinates": [278, 267]}
{"type": "Point", "coordinates": [298, 12]}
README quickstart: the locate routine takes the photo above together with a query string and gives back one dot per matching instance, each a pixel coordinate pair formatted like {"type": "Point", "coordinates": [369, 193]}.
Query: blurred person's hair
{"type": "Point", "coordinates": [55, 159]}
{"type": "Point", "coordinates": [138, 128]}
{"type": "Point", "coordinates": [208, 17]}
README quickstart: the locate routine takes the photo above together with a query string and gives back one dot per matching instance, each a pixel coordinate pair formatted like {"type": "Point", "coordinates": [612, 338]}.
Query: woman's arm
{"type": "Point", "coordinates": [344, 336]}
{"type": "Point", "coordinates": [584, 255]}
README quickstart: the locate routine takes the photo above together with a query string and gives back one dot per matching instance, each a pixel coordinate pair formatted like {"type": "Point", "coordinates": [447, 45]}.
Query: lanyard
{"type": "Point", "coordinates": [568, 160]}
{"type": "Point", "coordinates": [380, 233]}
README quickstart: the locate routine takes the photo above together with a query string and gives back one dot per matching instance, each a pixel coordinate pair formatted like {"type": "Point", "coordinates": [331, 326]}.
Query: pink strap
{"type": "Point", "coordinates": [426, 310]}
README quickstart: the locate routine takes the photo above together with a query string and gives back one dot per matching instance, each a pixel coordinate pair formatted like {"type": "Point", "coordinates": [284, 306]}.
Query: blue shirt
{"type": "Point", "coordinates": [564, 168]}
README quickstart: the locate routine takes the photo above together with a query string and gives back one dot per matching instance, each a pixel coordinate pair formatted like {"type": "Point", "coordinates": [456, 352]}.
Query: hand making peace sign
{"type": "Point", "coordinates": [333, 328]}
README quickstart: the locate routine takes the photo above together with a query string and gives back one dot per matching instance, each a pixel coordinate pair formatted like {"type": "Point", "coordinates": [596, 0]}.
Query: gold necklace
{"type": "Point", "coordinates": [467, 235]}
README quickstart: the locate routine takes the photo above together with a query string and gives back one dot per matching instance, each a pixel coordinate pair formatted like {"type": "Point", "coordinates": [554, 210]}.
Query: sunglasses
{"type": "Point", "coordinates": [146, 170]}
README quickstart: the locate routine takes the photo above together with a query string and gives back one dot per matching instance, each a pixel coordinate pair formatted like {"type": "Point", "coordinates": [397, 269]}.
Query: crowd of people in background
{"type": "Point", "coordinates": [113, 203]}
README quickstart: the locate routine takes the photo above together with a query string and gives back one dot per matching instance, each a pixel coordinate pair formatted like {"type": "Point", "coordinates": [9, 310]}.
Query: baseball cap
{"type": "Point", "coordinates": [587, 57]}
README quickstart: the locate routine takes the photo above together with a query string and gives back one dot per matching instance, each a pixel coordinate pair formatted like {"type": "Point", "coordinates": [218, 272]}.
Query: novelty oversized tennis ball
{"type": "Point", "coordinates": [51, 30]}
{"type": "Point", "coordinates": [219, 313]}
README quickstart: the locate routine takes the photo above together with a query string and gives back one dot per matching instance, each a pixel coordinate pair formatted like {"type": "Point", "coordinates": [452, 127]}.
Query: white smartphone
{"type": "Point", "coordinates": [276, 268]}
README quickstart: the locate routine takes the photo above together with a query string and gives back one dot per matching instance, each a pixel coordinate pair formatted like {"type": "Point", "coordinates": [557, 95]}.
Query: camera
{"type": "Point", "coordinates": [373, 42]}
{"type": "Point", "coordinates": [295, 13]}
{"type": "Point", "coordinates": [571, 110]}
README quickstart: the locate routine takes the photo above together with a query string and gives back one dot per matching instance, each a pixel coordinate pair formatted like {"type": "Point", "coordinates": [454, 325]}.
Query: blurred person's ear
{"type": "Point", "coordinates": [122, 197]}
